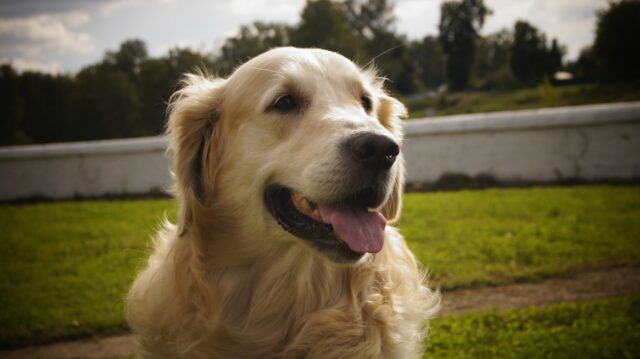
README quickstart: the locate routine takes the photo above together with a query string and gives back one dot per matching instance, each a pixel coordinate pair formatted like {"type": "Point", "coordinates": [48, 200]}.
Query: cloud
{"type": "Point", "coordinates": [26, 8]}
{"type": "Point", "coordinates": [266, 10]}
{"type": "Point", "coordinates": [112, 6]}
{"type": "Point", "coordinates": [417, 18]}
{"type": "Point", "coordinates": [22, 65]}
{"type": "Point", "coordinates": [74, 18]}
{"type": "Point", "coordinates": [46, 32]}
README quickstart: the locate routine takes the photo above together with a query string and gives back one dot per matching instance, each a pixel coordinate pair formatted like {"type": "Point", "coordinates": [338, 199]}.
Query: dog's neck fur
{"type": "Point", "coordinates": [269, 295]}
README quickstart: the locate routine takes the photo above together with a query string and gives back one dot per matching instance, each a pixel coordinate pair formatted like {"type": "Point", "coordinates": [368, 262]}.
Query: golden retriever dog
{"type": "Point", "coordinates": [287, 173]}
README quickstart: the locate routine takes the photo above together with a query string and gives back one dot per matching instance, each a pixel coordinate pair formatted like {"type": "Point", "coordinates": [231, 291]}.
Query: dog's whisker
{"type": "Point", "coordinates": [384, 53]}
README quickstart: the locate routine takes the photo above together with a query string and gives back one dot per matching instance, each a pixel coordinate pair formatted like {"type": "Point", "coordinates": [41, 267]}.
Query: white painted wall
{"type": "Point", "coordinates": [85, 169]}
{"type": "Point", "coordinates": [595, 142]}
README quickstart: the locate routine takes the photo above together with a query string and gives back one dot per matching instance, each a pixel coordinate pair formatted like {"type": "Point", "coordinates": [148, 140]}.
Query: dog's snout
{"type": "Point", "coordinates": [374, 151]}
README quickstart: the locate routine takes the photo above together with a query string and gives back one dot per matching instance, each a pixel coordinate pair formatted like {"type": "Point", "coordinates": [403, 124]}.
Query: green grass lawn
{"type": "Point", "coordinates": [599, 329]}
{"type": "Point", "coordinates": [529, 98]}
{"type": "Point", "coordinates": [66, 267]}
{"type": "Point", "coordinates": [503, 235]}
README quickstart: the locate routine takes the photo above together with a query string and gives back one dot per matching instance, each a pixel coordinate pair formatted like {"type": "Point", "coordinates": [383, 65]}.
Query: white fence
{"type": "Point", "coordinates": [591, 143]}
{"type": "Point", "coordinates": [84, 169]}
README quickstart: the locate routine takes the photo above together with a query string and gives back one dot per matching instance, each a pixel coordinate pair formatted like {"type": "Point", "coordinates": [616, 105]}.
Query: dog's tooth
{"type": "Point", "coordinates": [306, 206]}
{"type": "Point", "coordinates": [316, 215]}
{"type": "Point", "coordinates": [297, 199]}
{"type": "Point", "coordinates": [301, 202]}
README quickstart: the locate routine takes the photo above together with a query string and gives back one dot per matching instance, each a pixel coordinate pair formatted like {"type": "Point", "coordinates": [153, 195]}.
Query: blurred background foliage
{"type": "Point", "coordinates": [125, 94]}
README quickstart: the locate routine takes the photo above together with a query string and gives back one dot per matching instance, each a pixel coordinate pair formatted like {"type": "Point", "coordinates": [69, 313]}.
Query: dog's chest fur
{"type": "Point", "coordinates": [295, 306]}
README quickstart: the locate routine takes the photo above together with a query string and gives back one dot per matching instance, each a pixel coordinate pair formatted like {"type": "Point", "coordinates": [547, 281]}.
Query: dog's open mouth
{"type": "Point", "coordinates": [344, 230]}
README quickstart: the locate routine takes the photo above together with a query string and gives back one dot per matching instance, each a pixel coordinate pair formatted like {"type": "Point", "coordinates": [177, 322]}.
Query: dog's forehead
{"type": "Point", "coordinates": [288, 58]}
{"type": "Point", "coordinates": [295, 65]}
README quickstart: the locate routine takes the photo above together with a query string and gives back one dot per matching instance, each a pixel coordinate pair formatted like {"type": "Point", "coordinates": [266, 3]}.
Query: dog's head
{"type": "Point", "coordinates": [297, 144]}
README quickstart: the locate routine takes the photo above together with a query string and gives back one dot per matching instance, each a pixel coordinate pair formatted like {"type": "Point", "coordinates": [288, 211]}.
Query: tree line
{"type": "Point", "coordinates": [125, 94]}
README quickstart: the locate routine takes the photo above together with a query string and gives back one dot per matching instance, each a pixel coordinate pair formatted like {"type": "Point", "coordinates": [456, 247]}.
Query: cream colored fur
{"type": "Point", "coordinates": [226, 281]}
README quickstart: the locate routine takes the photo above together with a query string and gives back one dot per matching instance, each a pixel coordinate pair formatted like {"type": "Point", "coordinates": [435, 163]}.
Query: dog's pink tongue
{"type": "Point", "coordinates": [361, 230]}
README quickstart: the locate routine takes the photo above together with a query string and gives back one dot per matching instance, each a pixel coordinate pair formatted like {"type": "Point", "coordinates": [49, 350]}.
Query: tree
{"type": "Point", "coordinates": [554, 56]}
{"type": "Point", "coordinates": [491, 65]}
{"type": "Point", "coordinates": [374, 24]}
{"type": "Point", "coordinates": [527, 53]}
{"type": "Point", "coordinates": [584, 68]}
{"type": "Point", "coordinates": [45, 107]}
{"type": "Point", "coordinates": [531, 58]}
{"type": "Point", "coordinates": [460, 23]}
{"type": "Point", "coordinates": [370, 18]}
{"type": "Point", "coordinates": [34, 107]}
{"type": "Point", "coordinates": [616, 50]}
{"type": "Point", "coordinates": [251, 41]}
{"type": "Point", "coordinates": [105, 104]}
{"type": "Point", "coordinates": [128, 58]}
{"type": "Point", "coordinates": [11, 104]}
{"type": "Point", "coordinates": [324, 24]}
{"type": "Point", "coordinates": [155, 83]}
{"type": "Point", "coordinates": [428, 61]}
{"type": "Point", "coordinates": [158, 79]}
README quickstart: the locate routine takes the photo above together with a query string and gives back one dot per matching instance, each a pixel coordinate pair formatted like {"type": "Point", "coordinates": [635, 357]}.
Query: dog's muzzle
{"type": "Point", "coordinates": [352, 225]}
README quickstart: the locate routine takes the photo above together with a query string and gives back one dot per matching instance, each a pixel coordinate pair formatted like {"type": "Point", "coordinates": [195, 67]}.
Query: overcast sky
{"type": "Point", "coordinates": [64, 35]}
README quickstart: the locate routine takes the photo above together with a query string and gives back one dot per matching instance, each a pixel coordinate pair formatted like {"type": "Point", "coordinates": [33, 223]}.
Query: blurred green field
{"type": "Point", "coordinates": [498, 236]}
{"type": "Point", "coordinates": [542, 96]}
{"type": "Point", "coordinates": [599, 329]}
{"type": "Point", "coordinates": [67, 266]}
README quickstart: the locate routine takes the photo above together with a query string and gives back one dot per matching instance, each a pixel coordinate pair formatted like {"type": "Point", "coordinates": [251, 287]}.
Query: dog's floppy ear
{"type": "Point", "coordinates": [390, 114]}
{"type": "Point", "coordinates": [195, 137]}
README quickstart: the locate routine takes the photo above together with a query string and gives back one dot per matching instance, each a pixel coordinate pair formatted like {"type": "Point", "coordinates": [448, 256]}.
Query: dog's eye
{"type": "Point", "coordinates": [285, 103]}
{"type": "Point", "coordinates": [366, 103]}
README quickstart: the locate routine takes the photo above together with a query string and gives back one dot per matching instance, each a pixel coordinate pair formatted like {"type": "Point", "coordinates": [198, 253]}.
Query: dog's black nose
{"type": "Point", "coordinates": [374, 151]}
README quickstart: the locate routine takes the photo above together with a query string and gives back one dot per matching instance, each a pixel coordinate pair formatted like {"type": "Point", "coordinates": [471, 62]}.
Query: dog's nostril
{"type": "Point", "coordinates": [392, 150]}
{"type": "Point", "coordinates": [374, 151]}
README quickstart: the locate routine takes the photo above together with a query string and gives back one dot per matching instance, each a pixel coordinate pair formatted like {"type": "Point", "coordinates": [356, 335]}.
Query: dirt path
{"type": "Point", "coordinates": [108, 347]}
{"type": "Point", "coordinates": [588, 285]}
